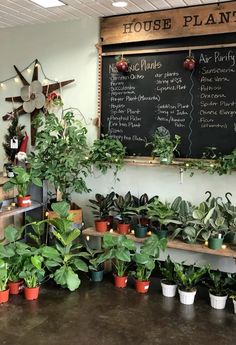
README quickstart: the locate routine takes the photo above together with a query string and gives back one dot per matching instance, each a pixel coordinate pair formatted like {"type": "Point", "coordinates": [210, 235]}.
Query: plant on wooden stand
{"type": "Point", "coordinates": [21, 181]}
{"type": "Point", "coordinates": [119, 249]}
{"type": "Point", "coordinates": [145, 261]}
{"type": "Point", "coordinates": [121, 207]}
{"type": "Point", "coordinates": [102, 206]}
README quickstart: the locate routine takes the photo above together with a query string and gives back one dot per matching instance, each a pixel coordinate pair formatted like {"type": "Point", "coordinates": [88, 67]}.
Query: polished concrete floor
{"type": "Point", "coordinates": [100, 314]}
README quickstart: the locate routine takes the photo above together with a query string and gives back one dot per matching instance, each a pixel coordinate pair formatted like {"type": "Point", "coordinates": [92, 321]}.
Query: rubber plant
{"type": "Point", "coordinates": [120, 250]}
{"type": "Point", "coordinates": [61, 153]}
{"type": "Point", "coordinates": [107, 153]}
{"type": "Point", "coordinates": [64, 259]}
{"type": "Point", "coordinates": [122, 205]}
{"type": "Point", "coordinates": [102, 207]}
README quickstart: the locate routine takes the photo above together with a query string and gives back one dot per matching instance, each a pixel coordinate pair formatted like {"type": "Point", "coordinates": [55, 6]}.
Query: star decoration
{"type": "Point", "coordinates": [32, 97]}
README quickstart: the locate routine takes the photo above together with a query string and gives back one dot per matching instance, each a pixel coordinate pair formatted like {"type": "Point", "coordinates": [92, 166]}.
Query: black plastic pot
{"type": "Point", "coordinates": [97, 276]}
{"type": "Point", "coordinates": [140, 231]}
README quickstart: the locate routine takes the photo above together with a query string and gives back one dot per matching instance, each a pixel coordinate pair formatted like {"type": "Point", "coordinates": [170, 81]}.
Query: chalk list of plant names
{"type": "Point", "coordinates": [158, 93]}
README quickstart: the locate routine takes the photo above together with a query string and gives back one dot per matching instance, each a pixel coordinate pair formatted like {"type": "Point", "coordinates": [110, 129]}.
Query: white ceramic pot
{"type": "Point", "coordinates": [187, 297]}
{"type": "Point", "coordinates": [234, 302]}
{"type": "Point", "coordinates": [218, 302]}
{"type": "Point", "coordinates": [168, 290]}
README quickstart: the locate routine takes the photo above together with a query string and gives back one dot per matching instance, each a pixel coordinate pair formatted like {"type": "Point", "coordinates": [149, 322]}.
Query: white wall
{"type": "Point", "coordinates": [67, 50]}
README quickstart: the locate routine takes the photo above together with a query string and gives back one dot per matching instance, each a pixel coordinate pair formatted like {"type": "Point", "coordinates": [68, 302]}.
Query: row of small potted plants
{"type": "Point", "coordinates": [122, 252]}
{"type": "Point", "coordinates": [212, 220]}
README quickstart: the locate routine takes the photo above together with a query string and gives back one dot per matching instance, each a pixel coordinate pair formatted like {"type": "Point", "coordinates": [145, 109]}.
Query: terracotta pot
{"type": "Point", "coordinates": [123, 228]}
{"type": "Point", "coordinates": [15, 287]}
{"type": "Point", "coordinates": [24, 201]}
{"type": "Point", "coordinates": [31, 293]}
{"type": "Point", "coordinates": [101, 225]}
{"type": "Point", "coordinates": [142, 286]}
{"type": "Point", "coordinates": [120, 282]}
{"type": "Point", "coordinates": [4, 296]}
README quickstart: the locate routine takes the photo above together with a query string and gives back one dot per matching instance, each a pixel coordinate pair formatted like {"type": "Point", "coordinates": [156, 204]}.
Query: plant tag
{"type": "Point", "coordinates": [26, 202]}
{"type": "Point", "coordinates": [14, 143]}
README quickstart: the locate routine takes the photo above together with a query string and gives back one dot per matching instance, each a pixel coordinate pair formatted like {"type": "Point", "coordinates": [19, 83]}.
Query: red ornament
{"type": "Point", "coordinates": [190, 63]}
{"type": "Point", "coordinates": [122, 65]}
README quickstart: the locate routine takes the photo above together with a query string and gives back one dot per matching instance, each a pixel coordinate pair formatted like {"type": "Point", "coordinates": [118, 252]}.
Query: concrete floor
{"type": "Point", "coordinates": [100, 314]}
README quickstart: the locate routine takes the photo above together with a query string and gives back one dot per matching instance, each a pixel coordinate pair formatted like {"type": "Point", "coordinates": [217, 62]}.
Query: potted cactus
{"type": "Point", "coordinates": [168, 283]}
{"type": "Point", "coordinates": [120, 250]}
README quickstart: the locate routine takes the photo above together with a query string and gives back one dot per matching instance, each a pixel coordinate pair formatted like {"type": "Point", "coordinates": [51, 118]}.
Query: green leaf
{"type": "Point", "coordinates": [12, 234]}
{"type": "Point", "coordinates": [80, 265]}
{"type": "Point", "coordinates": [36, 260]}
{"type": "Point", "coordinates": [61, 208]}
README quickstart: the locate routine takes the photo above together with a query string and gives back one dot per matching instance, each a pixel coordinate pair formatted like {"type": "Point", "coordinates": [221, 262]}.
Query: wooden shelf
{"type": "Point", "coordinates": [229, 251]}
{"type": "Point", "coordinates": [17, 210]}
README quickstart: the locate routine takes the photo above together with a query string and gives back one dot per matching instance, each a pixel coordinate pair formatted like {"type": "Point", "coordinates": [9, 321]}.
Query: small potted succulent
{"type": "Point", "coordinates": [187, 279]}
{"type": "Point", "coordinates": [120, 250]}
{"type": "Point", "coordinates": [164, 147]}
{"type": "Point", "coordinates": [168, 283]}
{"type": "Point", "coordinates": [4, 275]}
{"type": "Point", "coordinates": [217, 284]}
{"type": "Point", "coordinates": [145, 262]}
{"type": "Point", "coordinates": [22, 180]}
{"type": "Point", "coordinates": [102, 206]}
{"type": "Point", "coordinates": [122, 206]}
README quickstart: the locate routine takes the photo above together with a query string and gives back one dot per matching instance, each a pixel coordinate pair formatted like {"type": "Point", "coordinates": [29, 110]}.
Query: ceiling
{"type": "Point", "coordinates": [23, 12]}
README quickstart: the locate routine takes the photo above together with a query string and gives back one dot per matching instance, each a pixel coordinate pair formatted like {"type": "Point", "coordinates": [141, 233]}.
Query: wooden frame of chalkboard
{"type": "Point", "coordinates": [197, 105]}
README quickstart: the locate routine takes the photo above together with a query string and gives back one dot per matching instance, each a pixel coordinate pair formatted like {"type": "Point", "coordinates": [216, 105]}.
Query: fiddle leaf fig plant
{"type": "Point", "coordinates": [61, 153]}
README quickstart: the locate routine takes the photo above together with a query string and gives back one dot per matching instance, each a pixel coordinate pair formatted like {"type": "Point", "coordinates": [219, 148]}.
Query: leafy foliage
{"type": "Point", "coordinates": [168, 270]}
{"type": "Point", "coordinates": [122, 205]}
{"type": "Point", "coordinates": [164, 147]}
{"type": "Point", "coordinates": [61, 153]}
{"type": "Point", "coordinates": [217, 283]}
{"type": "Point", "coordinates": [21, 180]}
{"type": "Point", "coordinates": [102, 205]}
{"type": "Point", "coordinates": [189, 276]}
{"type": "Point", "coordinates": [14, 130]}
{"type": "Point", "coordinates": [161, 212]}
{"type": "Point", "coordinates": [4, 274]}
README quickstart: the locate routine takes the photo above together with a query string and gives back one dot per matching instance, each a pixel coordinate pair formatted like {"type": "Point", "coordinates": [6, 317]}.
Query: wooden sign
{"type": "Point", "coordinates": [190, 21]}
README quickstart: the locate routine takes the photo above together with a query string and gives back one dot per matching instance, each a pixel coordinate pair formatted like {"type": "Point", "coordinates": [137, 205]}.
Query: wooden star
{"type": "Point", "coordinates": [47, 89]}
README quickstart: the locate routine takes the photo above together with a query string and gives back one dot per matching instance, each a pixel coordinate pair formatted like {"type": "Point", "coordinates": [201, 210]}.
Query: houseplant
{"type": "Point", "coordinates": [33, 274]}
{"type": "Point", "coordinates": [102, 206]}
{"type": "Point", "coordinates": [168, 283]}
{"type": "Point", "coordinates": [65, 257]}
{"type": "Point", "coordinates": [161, 213]}
{"type": "Point", "coordinates": [122, 205]}
{"type": "Point", "coordinates": [145, 261]}
{"type": "Point", "coordinates": [218, 288]}
{"type": "Point", "coordinates": [61, 154]}
{"type": "Point", "coordinates": [187, 280]}
{"type": "Point", "coordinates": [4, 274]}
{"type": "Point", "coordinates": [232, 289]}
{"type": "Point", "coordinates": [95, 264]}
{"type": "Point", "coordinates": [22, 180]}
{"type": "Point", "coordinates": [120, 250]}
{"type": "Point", "coordinates": [164, 147]}
{"type": "Point", "coordinates": [107, 153]}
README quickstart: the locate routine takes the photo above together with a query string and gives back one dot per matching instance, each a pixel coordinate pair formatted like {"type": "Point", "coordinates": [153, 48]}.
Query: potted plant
{"type": "Point", "coordinates": [145, 262]}
{"type": "Point", "coordinates": [65, 257]}
{"type": "Point", "coordinates": [142, 201]}
{"type": "Point", "coordinates": [163, 146]}
{"type": "Point", "coordinates": [95, 264]}
{"type": "Point", "coordinates": [140, 230]}
{"type": "Point", "coordinates": [4, 274]}
{"type": "Point", "coordinates": [61, 155]}
{"type": "Point", "coordinates": [121, 207]}
{"type": "Point", "coordinates": [161, 213]}
{"type": "Point", "coordinates": [33, 274]}
{"type": "Point", "coordinates": [22, 180]}
{"type": "Point", "coordinates": [168, 283]}
{"type": "Point", "coordinates": [120, 250]}
{"type": "Point", "coordinates": [107, 153]}
{"type": "Point", "coordinates": [218, 293]}
{"type": "Point", "coordinates": [102, 206]}
{"type": "Point", "coordinates": [187, 280]}
{"type": "Point", "coordinates": [11, 253]}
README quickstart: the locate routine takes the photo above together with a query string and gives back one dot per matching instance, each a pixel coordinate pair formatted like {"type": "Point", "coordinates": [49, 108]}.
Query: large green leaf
{"type": "Point", "coordinates": [80, 265]}
{"type": "Point", "coordinates": [12, 234]}
{"type": "Point", "coordinates": [36, 260]}
{"type": "Point", "coordinates": [65, 277]}
{"type": "Point", "coordinates": [61, 208]}
{"type": "Point", "coordinates": [123, 255]}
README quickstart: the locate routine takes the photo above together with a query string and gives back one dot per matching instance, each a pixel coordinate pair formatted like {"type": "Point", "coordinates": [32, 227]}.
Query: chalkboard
{"type": "Point", "coordinates": [157, 92]}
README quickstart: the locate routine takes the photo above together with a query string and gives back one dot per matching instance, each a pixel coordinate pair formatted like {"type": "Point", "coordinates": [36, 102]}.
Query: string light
{"type": "Point", "coordinates": [28, 68]}
{"type": "Point", "coordinates": [87, 238]}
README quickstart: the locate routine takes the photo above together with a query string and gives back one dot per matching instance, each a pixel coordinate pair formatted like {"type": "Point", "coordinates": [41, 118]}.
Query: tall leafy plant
{"type": "Point", "coordinates": [61, 153]}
